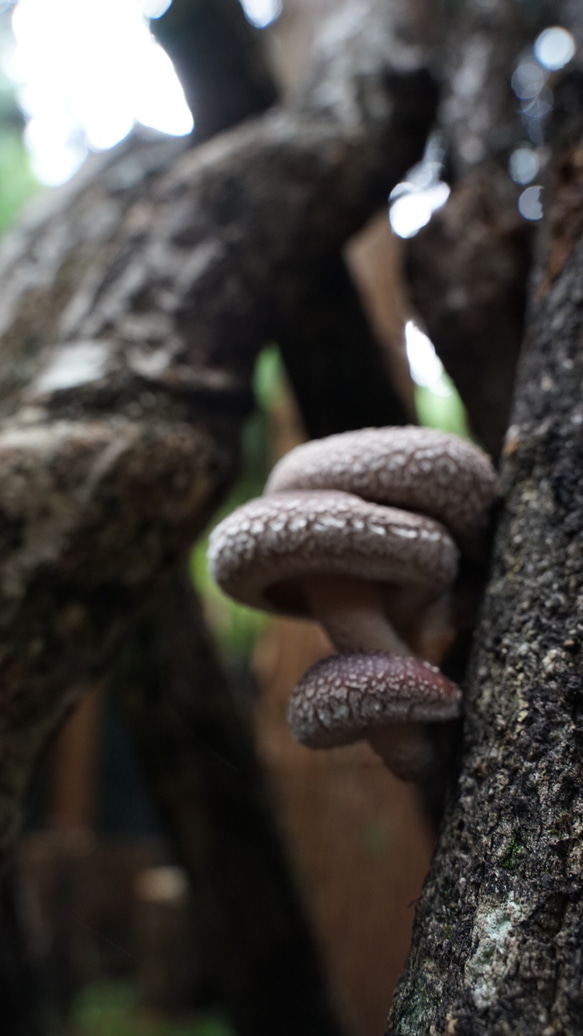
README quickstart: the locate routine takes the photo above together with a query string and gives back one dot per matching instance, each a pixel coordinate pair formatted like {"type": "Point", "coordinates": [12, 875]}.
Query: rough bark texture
{"type": "Point", "coordinates": [498, 940]}
{"type": "Point", "coordinates": [197, 756]}
{"type": "Point", "coordinates": [132, 313]}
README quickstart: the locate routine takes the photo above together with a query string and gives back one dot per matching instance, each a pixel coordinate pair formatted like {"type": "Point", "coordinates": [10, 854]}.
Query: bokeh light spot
{"type": "Point", "coordinates": [261, 12]}
{"type": "Point", "coordinates": [424, 363]}
{"type": "Point", "coordinates": [412, 209]}
{"type": "Point", "coordinates": [523, 165]}
{"type": "Point", "coordinates": [528, 79]}
{"type": "Point", "coordinates": [530, 204]}
{"type": "Point", "coordinates": [554, 47]}
{"type": "Point", "coordinates": [85, 73]}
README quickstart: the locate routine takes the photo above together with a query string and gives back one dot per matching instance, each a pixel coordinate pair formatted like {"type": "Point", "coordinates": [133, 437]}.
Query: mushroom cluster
{"type": "Point", "coordinates": [363, 532]}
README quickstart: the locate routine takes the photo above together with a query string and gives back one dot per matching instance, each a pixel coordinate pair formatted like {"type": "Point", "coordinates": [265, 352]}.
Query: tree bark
{"type": "Point", "coordinates": [220, 61]}
{"type": "Point", "coordinates": [497, 946]}
{"type": "Point", "coordinates": [473, 305]}
{"type": "Point", "coordinates": [27, 989]}
{"type": "Point", "coordinates": [335, 364]}
{"type": "Point", "coordinates": [196, 752]}
{"type": "Point", "coordinates": [153, 288]}
{"type": "Point", "coordinates": [209, 786]}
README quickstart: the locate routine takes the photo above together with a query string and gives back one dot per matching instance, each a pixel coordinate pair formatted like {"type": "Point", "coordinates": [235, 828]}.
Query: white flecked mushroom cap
{"type": "Point", "coordinates": [345, 696]}
{"type": "Point", "coordinates": [420, 469]}
{"type": "Point", "coordinates": [259, 554]}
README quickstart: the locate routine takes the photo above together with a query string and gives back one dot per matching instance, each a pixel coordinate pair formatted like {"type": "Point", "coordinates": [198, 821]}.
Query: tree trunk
{"type": "Point", "coordinates": [198, 754]}
{"type": "Point", "coordinates": [498, 941]}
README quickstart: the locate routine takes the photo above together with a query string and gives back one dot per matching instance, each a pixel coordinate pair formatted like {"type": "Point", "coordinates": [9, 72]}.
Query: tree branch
{"type": "Point", "coordinates": [473, 305]}
{"type": "Point", "coordinates": [336, 367]}
{"type": "Point", "coordinates": [212, 796]}
{"type": "Point", "coordinates": [133, 307]}
{"type": "Point", "coordinates": [199, 760]}
{"type": "Point", "coordinates": [202, 38]}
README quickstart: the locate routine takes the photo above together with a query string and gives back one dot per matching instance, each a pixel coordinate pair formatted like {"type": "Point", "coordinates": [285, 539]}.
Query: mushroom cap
{"type": "Point", "coordinates": [344, 697]}
{"type": "Point", "coordinates": [420, 469]}
{"type": "Point", "coordinates": [259, 554]}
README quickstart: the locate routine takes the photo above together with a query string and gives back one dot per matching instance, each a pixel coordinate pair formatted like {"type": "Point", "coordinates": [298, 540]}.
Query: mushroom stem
{"type": "Point", "coordinates": [405, 749]}
{"type": "Point", "coordinates": [352, 612]}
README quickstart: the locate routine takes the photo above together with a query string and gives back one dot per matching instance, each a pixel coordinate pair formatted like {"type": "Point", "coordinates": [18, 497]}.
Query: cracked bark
{"type": "Point", "coordinates": [497, 946]}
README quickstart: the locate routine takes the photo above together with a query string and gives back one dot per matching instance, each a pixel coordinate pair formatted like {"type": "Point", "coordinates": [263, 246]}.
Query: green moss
{"type": "Point", "coordinates": [512, 854]}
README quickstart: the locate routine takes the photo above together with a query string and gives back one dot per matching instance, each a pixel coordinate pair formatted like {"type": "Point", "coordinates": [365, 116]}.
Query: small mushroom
{"type": "Point", "coordinates": [331, 555]}
{"type": "Point", "coordinates": [383, 698]}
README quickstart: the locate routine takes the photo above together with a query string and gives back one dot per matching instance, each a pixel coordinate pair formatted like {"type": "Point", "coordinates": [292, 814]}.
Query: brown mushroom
{"type": "Point", "coordinates": [329, 555]}
{"type": "Point", "coordinates": [383, 698]}
{"type": "Point", "coordinates": [421, 469]}
{"type": "Point", "coordinates": [323, 542]}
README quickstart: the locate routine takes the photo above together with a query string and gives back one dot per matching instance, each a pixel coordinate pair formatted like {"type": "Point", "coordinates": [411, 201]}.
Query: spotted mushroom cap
{"type": "Point", "coordinates": [421, 469]}
{"type": "Point", "coordinates": [259, 554]}
{"type": "Point", "coordinates": [343, 697]}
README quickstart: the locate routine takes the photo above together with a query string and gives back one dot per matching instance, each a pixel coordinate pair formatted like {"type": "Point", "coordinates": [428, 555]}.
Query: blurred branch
{"type": "Point", "coordinates": [473, 305]}
{"type": "Point", "coordinates": [27, 994]}
{"type": "Point", "coordinates": [133, 306]}
{"type": "Point", "coordinates": [220, 61]}
{"type": "Point", "coordinates": [198, 755]}
{"type": "Point", "coordinates": [345, 384]}
{"type": "Point", "coordinates": [224, 71]}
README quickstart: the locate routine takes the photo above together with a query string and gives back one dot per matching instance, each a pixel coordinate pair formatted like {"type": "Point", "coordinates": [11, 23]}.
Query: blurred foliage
{"type": "Point", "coordinates": [110, 1009]}
{"type": "Point", "coordinates": [235, 626]}
{"type": "Point", "coordinates": [17, 182]}
{"type": "Point", "coordinates": [443, 409]}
